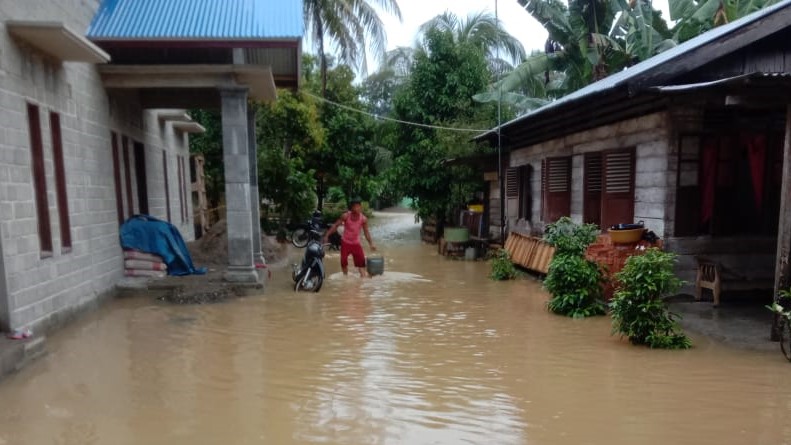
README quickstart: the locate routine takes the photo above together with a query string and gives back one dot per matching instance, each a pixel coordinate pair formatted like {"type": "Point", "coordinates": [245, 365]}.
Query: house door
{"type": "Point", "coordinates": [556, 188]}
{"type": "Point", "coordinates": [591, 200]}
{"type": "Point", "coordinates": [140, 176]}
{"type": "Point", "coordinates": [618, 194]}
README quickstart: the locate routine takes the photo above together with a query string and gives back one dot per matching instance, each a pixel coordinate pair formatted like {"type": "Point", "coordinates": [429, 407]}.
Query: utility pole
{"type": "Point", "coordinates": [500, 176]}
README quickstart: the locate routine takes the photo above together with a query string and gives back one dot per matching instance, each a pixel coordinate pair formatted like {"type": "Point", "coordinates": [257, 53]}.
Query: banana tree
{"type": "Point", "coordinates": [696, 17]}
{"type": "Point", "coordinates": [588, 40]}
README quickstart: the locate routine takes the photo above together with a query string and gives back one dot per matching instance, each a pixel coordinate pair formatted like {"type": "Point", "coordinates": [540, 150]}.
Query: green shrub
{"type": "Point", "coordinates": [331, 213]}
{"type": "Point", "coordinates": [574, 282]}
{"type": "Point", "coordinates": [576, 286]}
{"type": "Point", "coordinates": [336, 195]}
{"type": "Point", "coordinates": [502, 267]}
{"type": "Point", "coordinates": [569, 237]}
{"type": "Point", "coordinates": [637, 309]}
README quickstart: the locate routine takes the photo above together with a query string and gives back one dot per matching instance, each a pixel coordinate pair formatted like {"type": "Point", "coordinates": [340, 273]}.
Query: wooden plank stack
{"type": "Point", "coordinates": [530, 252]}
{"type": "Point", "coordinates": [428, 233]}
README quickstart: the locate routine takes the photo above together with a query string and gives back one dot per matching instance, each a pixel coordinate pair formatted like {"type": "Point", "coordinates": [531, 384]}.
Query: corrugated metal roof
{"type": "Point", "coordinates": [197, 20]}
{"type": "Point", "coordinates": [752, 79]}
{"type": "Point", "coordinates": [649, 65]}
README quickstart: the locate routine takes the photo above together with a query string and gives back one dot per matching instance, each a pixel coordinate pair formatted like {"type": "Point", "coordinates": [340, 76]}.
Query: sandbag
{"type": "Point", "coordinates": [145, 273]}
{"type": "Point", "coordinates": [148, 234]}
{"type": "Point", "coordinates": [145, 265]}
{"type": "Point", "coordinates": [137, 255]}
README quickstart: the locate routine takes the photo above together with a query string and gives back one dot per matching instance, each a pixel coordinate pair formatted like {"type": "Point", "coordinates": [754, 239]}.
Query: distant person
{"type": "Point", "coordinates": [352, 222]}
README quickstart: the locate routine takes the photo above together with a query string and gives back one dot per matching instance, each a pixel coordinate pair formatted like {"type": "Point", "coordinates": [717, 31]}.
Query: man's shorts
{"type": "Point", "coordinates": [356, 251]}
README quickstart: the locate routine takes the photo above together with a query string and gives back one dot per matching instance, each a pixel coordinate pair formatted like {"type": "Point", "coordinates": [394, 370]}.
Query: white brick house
{"type": "Point", "coordinates": [118, 155]}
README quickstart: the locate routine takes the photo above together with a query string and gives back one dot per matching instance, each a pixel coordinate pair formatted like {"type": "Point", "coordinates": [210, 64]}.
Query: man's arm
{"type": "Point", "coordinates": [368, 236]}
{"type": "Point", "coordinates": [333, 229]}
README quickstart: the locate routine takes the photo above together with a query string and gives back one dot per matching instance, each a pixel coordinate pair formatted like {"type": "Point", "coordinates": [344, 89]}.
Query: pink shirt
{"type": "Point", "coordinates": [352, 227]}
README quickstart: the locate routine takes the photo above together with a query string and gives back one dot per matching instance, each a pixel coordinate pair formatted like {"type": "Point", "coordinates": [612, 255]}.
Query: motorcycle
{"type": "Point", "coordinates": [309, 276]}
{"type": "Point", "coordinates": [313, 230]}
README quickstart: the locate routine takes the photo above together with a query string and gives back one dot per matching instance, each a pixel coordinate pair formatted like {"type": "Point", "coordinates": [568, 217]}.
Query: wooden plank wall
{"type": "Point", "coordinates": [530, 252]}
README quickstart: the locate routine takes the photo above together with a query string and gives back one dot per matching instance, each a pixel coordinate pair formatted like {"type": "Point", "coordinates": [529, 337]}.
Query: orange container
{"type": "Point", "coordinates": [626, 236]}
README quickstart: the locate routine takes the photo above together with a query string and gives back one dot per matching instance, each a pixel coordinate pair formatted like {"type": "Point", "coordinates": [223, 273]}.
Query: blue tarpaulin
{"type": "Point", "coordinates": [148, 234]}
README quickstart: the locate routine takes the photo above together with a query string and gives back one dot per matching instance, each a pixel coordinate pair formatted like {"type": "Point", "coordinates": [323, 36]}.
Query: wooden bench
{"type": "Point", "coordinates": [715, 277]}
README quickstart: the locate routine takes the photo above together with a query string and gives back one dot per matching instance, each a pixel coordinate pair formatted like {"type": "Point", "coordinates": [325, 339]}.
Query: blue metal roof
{"type": "Point", "coordinates": [197, 20]}
{"type": "Point", "coordinates": [648, 66]}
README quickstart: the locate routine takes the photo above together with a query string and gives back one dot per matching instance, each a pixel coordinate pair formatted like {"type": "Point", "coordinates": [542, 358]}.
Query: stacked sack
{"type": "Point", "coordinates": [141, 264]}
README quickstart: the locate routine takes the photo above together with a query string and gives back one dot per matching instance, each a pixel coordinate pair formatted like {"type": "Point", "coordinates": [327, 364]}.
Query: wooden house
{"type": "Point", "coordinates": [695, 142]}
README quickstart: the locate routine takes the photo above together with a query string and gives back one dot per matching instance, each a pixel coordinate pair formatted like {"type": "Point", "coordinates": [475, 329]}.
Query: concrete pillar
{"type": "Point", "coordinates": [782, 269]}
{"type": "Point", "coordinates": [255, 199]}
{"type": "Point", "coordinates": [236, 164]}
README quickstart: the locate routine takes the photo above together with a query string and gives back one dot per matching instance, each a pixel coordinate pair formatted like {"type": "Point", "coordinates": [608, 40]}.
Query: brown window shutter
{"type": "Point", "coordinates": [618, 187]}
{"type": "Point", "coordinates": [556, 185]}
{"type": "Point", "coordinates": [130, 203]}
{"type": "Point", "coordinates": [591, 201]}
{"type": "Point", "coordinates": [39, 180]}
{"type": "Point", "coordinates": [119, 200]}
{"type": "Point", "coordinates": [142, 177]}
{"type": "Point", "coordinates": [60, 181]}
{"type": "Point", "coordinates": [511, 183]}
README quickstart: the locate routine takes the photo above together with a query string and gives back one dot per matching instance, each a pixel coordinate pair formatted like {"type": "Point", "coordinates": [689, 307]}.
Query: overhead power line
{"type": "Point", "coordinates": [399, 121]}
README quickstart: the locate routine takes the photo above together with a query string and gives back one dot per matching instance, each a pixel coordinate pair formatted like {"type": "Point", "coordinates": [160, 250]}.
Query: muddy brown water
{"type": "Point", "coordinates": [430, 353]}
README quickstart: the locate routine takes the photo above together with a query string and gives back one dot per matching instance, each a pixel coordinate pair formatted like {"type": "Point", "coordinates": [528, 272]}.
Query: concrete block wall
{"type": "Point", "coordinates": [648, 134]}
{"type": "Point", "coordinates": [494, 209]}
{"type": "Point", "coordinates": [36, 291]}
{"type": "Point", "coordinates": [577, 183]}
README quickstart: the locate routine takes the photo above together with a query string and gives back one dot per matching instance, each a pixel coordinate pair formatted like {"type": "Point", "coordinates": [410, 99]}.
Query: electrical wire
{"type": "Point", "coordinates": [390, 119]}
{"type": "Point", "coordinates": [500, 178]}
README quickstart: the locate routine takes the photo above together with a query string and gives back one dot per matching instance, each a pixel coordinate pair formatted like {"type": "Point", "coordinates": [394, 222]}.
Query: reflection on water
{"type": "Point", "coordinates": [432, 352]}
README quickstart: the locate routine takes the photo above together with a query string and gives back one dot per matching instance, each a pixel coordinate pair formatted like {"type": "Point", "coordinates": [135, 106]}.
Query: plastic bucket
{"type": "Point", "coordinates": [457, 234]}
{"type": "Point", "coordinates": [376, 266]}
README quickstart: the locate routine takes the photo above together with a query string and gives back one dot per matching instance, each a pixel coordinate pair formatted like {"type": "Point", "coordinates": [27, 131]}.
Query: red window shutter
{"type": "Point", "coordinates": [130, 204]}
{"type": "Point", "coordinates": [60, 181]}
{"type": "Point", "coordinates": [618, 187]}
{"type": "Point", "coordinates": [511, 183]}
{"type": "Point", "coordinates": [39, 180]}
{"type": "Point", "coordinates": [591, 200]}
{"type": "Point", "coordinates": [556, 186]}
{"type": "Point", "coordinates": [119, 200]}
{"type": "Point", "coordinates": [141, 174]}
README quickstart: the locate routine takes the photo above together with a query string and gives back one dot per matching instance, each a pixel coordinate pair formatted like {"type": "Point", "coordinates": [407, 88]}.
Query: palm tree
{"type": "Point", "coordinates": [348, 25]}
{"type": "Point", "coordinates": [480, 29]}
{"type": "Point", "coordinates": [483, 30]}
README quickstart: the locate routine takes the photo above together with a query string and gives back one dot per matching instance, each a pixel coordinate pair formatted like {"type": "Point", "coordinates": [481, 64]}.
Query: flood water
{"type": "Point", "coordinates": [430, 353]}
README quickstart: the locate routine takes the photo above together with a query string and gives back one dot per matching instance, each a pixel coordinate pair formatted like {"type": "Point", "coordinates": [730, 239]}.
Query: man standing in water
{"type": "Point", "coordinates": [352, 222]}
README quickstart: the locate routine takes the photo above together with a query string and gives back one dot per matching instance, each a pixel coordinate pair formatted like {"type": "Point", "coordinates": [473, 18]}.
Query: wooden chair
{"type": "Point", "coordinates": [709, 277]}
